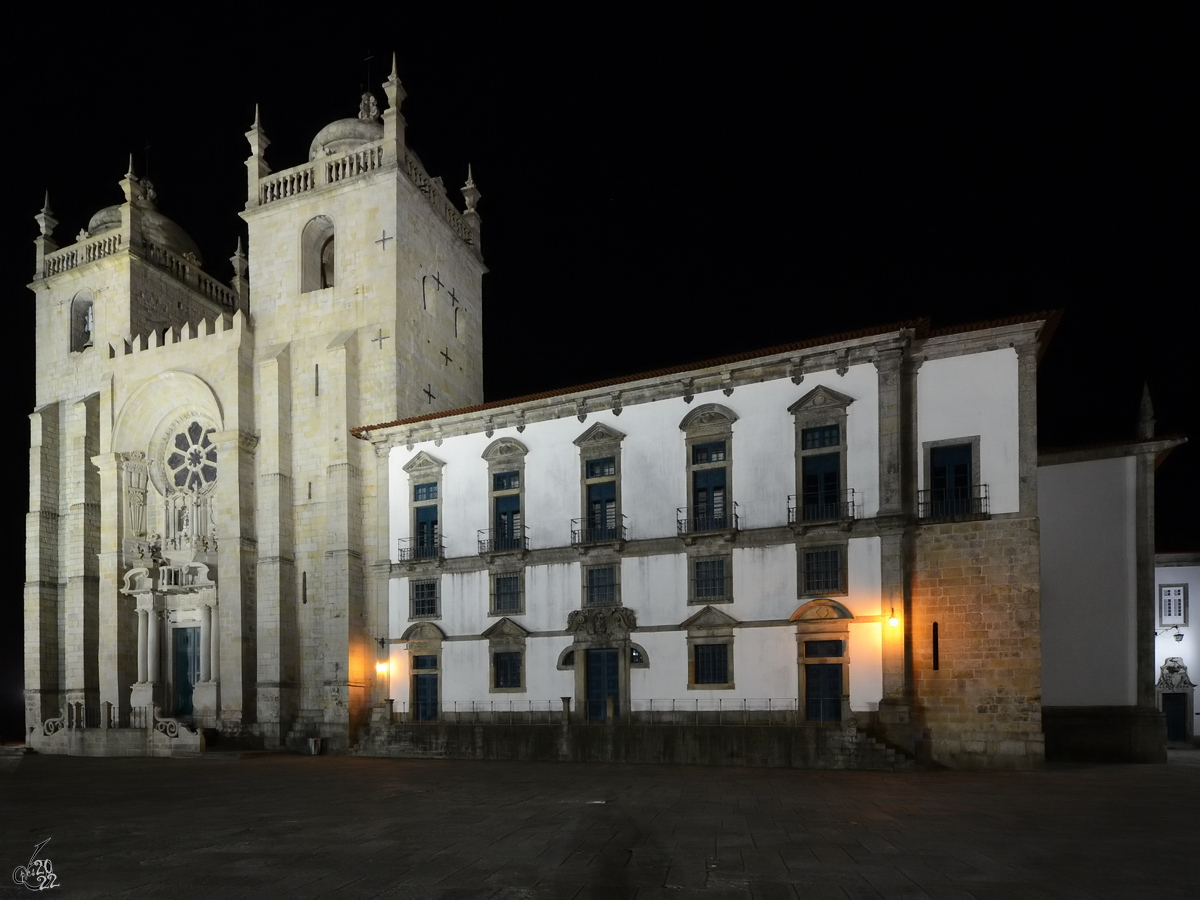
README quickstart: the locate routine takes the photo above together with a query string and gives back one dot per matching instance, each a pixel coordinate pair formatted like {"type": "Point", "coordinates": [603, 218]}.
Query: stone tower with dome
{"type": "Point", "coordinates": [206, 546]}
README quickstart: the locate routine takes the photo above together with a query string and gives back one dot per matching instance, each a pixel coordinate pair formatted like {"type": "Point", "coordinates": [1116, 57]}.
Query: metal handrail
{"type": "Point", "coordinates": [842, 508]}
{"type": "Point", "coordinates": [689, 522]}
{"type": "Point", "coordinates": [407, 550]}
{"type": "Point", "coordinates": [584, 531]}
{"type": "Point", "coordinates": [950, 503]}
{"type": "Point", "coordinates": [502, 540]}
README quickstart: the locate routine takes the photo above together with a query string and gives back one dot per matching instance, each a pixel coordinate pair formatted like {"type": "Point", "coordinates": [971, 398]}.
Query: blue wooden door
{"type": "Point", "coordinates": [823, 692]}
{"type": "Point", "coordinates": [427, 532]}
{"type": "Point", "coordinates": [508, 522]}
{"type": "Point", "coordinates": [950, 479]}
{"type": "Point", "coordinates": [708, 499]}
{"type": "Point", "coordinates": [603, 681]}
{"type": "Point", "coordinates": [427, 697]}
{"type": "Point", "coordinates": [187, 667]}
{"type": "Point", "coordinates": [602, 511]}
{"type": "Point", "coordinates": [822, 475]}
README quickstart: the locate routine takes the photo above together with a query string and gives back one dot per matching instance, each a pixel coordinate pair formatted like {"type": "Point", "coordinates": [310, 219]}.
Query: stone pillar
{"type": "Point", "coordinates": [378, 550]}
{"type": "Point", "coordinates": [42, 697]}
{"type": "Point", "coordinates": [1027, 423]}
{"type": "Point", "coordinates": [122, 646]}
{"type": "Point", "coordinates": [152, 651]}
{"type": "Point", "coordinates": [81, 533]}
{"type": "Point", "coordinates": [278, 675]}
{"type": "Point", "coordinates": [346, 647]}
{"type": "Point", "coordinates": [143, 636]}
{"type": "Point", "coordinates": [236, 625]}
{"type": "Point", "coordinates": [205, 643]}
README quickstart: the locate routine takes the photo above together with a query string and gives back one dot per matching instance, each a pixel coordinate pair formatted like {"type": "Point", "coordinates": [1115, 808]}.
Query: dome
{"type": "Point", "coordinates": [344, 134]}
{"type": "Point", "coordinates": [155, 227]}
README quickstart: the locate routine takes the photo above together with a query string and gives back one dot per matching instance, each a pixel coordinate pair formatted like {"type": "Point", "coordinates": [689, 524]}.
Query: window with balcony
{"type": "Point", "coordinates": [708, 432]}
{"type": "Point", "coordinates": [506, 478]}
{"type": "Point", "coordinates": [425, 476]}
{"type": "Point", "coordinates": [600, 471]}
{"type": "Point", "coordinates": [821, 492]}
{"type": "Point", "coordinates": [952, 485]}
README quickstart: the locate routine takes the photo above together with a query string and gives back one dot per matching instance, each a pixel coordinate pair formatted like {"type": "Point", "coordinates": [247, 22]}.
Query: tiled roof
{"type": "Point", "coordinates": [920, 326]}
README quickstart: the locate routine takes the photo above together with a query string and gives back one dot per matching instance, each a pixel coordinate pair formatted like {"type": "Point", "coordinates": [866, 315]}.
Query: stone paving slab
{"type": "Point", "coordinates": [294, 826]}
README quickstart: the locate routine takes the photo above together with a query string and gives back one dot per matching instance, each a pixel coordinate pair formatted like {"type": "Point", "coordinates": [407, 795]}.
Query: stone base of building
{"type": "Point", "coordinates": [988, 750]}
{"type": "Point", "coordinates": [1129, 734]}
{"type": "Point", "coordinates": [798, 747]}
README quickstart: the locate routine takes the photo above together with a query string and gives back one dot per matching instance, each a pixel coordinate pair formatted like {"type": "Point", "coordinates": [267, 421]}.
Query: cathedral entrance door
{"type": "Point", "coordinates": [187, 668]}
{"type": "Point", "coordinates": [603, 681]}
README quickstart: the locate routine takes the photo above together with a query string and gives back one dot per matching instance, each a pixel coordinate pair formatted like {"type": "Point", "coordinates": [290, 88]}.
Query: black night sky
{"type": "Point", "coordinates": [663, 190]}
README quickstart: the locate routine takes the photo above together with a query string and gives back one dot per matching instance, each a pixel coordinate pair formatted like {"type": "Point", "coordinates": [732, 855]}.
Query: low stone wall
{"type": "Point", "coordinates": [802, 747]}
{"type": "Point", "coordinates": [1104, 734]}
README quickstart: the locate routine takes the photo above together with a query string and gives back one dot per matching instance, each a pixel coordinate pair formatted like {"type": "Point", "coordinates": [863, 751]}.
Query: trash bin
{"type": "Point", "coordinates": [314, 746]}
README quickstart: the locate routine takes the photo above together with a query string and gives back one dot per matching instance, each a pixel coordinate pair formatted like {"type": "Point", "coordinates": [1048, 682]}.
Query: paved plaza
{"type": "Point", "coordinates": [293, 826]}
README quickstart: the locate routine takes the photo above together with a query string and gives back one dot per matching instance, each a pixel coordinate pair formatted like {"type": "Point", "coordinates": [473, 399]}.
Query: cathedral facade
{"type": "Point", "coordinates": [203, 535]}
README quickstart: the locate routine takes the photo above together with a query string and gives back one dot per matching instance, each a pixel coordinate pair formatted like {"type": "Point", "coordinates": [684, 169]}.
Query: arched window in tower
{"type": "Point", "coordinates": [317, 256]}
{"type": "Point", "coordinates": [83, 321]}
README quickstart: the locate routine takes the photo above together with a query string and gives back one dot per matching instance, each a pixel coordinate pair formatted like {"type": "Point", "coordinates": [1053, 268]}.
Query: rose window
{"type": "Point", "coordinates": [193, 459]}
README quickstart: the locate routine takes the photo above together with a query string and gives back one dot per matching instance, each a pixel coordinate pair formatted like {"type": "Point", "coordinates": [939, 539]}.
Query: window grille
{"type": "Point", "coordinates": [822, 570]}
{"type": "Point", "coordinates": [709, 579]}
{"type": "Point", "coordinates": [712, 663]}
{"type": "Point", "coordinates": [824, 436]}
{"type": "Point", "coordinates": [602, 586]}
{"type": "Point", "coordinates": [507, 594]}
{"type": "Point", "coordinates": [424, 598]}
{"type": "Point", "coordinates": [506, 667]}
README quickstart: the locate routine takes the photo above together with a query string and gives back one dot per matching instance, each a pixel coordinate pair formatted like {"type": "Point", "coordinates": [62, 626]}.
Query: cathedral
{"type": "Point", "coordinates": [278, 511]}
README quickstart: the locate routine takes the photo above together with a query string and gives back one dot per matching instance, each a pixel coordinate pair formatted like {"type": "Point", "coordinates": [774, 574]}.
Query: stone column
{"type": "Point", "coordinates": [236, 558]}
{"type": "Point", "coordinates": [122, 644]}
{"type": "Point", "coordinates": [152, 663]}
{"type": "Point", "coordinates": [378, 548]}
{"type": "Point", "coordinates": [79, 481]}
{"type": "Point", "coordinates": [143, 667]}
{"type": "Point", "coordinates": [42, 697]}
{"type": "Point", "coordinates": [205, 643]}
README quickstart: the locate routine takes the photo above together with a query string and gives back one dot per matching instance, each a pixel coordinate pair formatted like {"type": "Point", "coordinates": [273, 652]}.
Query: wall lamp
{"type": "Point", "coordinates": [892, 620]}
{"type": "Point", "coordinates": [381, 666]}
{"type": "Point", "coordinates": [1175, 628]}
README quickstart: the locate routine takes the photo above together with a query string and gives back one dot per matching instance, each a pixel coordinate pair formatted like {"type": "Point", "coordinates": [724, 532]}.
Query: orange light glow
{"type": "Point", "coordinates": [381, 668]}
{"type": "Point", "coordinates": [892, 620]}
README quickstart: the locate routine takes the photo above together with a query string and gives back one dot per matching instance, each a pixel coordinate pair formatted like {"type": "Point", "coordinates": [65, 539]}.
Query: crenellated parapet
{"type": "Point", "coordinates": [220, 328]}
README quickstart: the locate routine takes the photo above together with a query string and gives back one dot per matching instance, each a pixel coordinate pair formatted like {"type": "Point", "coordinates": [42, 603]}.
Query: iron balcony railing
{"type": "Point", "coordinates": [589, 531]}
{"type": "Point", "coordinates": [502, 540]}
{"type": "Point", "coordinates": [669, 712]}
{"type": "Point", "coordinates": [811, 509]}
{"type": "Point", "coordinates": [950, 503]}
{"type": "Point", "coordinates": [692, 521]}
{"type": "Point", "coordinates": [410, 549]}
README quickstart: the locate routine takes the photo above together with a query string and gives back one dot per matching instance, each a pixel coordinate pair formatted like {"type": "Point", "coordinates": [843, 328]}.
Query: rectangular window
{"type": "Point", "coordinates": [506, 668]}
{"type": "Point", "coordinates": [507, 594]}
{"type": "Point", "coordinates": [425, 662]}
{"type": "Point", "coordinates": [506, 481]}
{"type": "Point", "coordinates": [601, 586]}
{"type": "Point", "coordinates": [424, 598]}
{"type": "Point", "coordinates": [508, 522]}
{"type": "Point", "coordinates": [1172, 604]}
{"type": "Point", "coordinates": [708, 580]}
{"type": "Point", "coordinates": [712, 663]}
{"type": "Point", "coordinates": [822, 648]}
{"type": "Point", "coordinates": [599, 468]}
{"type": "Point", "coordinates": [822, 570]}
{"type": "Point", "coordinates": [815, 438]}
{"type": "Point", "coordinates": [425, 491]}
{"type": "Point", "coordinates": [708, 453]}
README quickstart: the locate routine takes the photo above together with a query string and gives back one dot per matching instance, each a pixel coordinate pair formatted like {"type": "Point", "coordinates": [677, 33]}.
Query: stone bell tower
{"type": "Point", "coordinates": [366, 293]}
